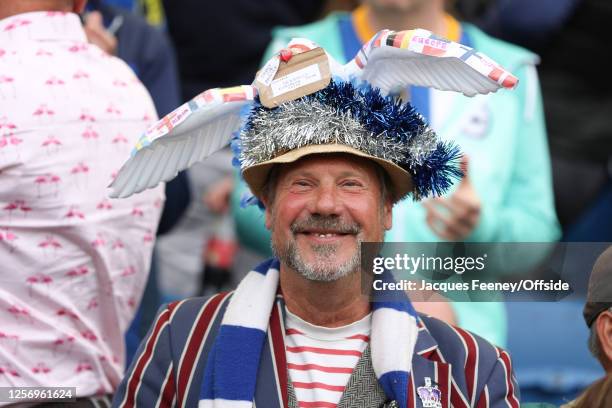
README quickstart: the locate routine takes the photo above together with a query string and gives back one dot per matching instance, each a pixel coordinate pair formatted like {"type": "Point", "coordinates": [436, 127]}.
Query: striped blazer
{"type": "Point", "coordinates": [168, 367]}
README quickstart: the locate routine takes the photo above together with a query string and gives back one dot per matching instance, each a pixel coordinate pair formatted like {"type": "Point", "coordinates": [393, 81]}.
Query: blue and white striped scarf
{"type": "Point", "coordinates": [243, 329]}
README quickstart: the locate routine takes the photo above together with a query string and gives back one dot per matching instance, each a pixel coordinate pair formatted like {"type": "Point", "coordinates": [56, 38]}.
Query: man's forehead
{"type": "Point", "coordinates": [328, 163]}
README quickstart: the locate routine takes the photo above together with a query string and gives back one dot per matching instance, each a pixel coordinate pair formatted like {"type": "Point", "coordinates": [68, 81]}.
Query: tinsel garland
{"type": "Point", "coordinates": [359, 117]}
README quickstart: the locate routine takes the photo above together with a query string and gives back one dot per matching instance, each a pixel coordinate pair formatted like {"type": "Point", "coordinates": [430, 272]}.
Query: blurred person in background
{"type": "Point", "coordinates": [507, 194]}
{"type": "Point", "coordinates": [577, 100]}
{"type": "Point", "coordinates": [598, 317]}
{"type": "Point", "coordinates": [598, 310]}
{"type": "Point", "coordinates": [74, 263]}
{"type": "Point", "coordinates": [150, 54]}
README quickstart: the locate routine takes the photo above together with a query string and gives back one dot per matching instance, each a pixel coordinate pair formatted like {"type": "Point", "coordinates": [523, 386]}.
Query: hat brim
{"type": "Point", "coordinates": [256, 176]}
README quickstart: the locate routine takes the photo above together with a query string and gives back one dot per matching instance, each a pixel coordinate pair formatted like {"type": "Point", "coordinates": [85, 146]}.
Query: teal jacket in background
{"type": "Point", "coordinates": [504, 136]}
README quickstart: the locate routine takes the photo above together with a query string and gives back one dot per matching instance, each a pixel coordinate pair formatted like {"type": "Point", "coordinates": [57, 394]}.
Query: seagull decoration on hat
{"type": "Point", "coordinates": [304, 102]}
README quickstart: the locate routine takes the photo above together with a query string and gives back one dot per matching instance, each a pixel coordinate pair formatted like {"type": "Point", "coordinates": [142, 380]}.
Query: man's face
{"type": "Point", "coordinates": [322, 208]}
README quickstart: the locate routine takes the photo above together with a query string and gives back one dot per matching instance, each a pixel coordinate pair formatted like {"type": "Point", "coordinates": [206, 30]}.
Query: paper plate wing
{"type": "Point", "coordinates": [185, 136]}
{"type": "Point", "coordinates": [393, 60]}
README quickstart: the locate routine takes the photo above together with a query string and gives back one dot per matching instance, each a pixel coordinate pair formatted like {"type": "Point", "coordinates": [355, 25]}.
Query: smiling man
{"type": "Point", "coordinates": [322, 212]}
{"type": "Point", "coordinates": [300, 330]}
{"type": "Point", "coordinates": [319, 211]}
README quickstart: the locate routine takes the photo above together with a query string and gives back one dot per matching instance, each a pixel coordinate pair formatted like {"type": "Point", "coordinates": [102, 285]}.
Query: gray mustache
{"type": "Point", "coordinates": [332, 224]}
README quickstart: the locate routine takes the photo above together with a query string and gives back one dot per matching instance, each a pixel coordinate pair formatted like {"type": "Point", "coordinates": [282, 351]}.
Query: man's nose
{"type": "Point", "coordinates": [326, 201]}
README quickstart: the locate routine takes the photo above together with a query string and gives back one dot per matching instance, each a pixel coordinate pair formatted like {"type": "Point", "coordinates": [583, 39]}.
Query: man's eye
{"type": "Point", "coordinates": [301, 183]}
{"type": "Point", "coordinates": [351, 183]}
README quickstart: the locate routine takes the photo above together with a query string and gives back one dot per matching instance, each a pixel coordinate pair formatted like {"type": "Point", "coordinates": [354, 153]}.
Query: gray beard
{"type": "Point", "coordinates": [322, 270]}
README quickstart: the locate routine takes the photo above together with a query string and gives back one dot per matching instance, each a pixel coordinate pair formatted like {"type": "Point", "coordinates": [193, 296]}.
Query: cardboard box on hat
{"type": "Point", "coordinates": [305, 73]}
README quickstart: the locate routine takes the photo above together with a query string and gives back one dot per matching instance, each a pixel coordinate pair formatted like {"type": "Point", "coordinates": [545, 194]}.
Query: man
{"type": "Point", "coordinates": [507, 195]}
{"type": "Point", "coordinates": [74, 263]}
{"type": "Point", "coordinates": [598, 317]}
{"type": "Point", "coordinates": [598, 310]}
{"type": "Point", "coordinates": [300, 330]}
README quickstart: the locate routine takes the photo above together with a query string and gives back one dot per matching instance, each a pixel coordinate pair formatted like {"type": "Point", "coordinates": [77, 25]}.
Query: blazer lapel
{"type": "Point", "coordinates": [430, 378]}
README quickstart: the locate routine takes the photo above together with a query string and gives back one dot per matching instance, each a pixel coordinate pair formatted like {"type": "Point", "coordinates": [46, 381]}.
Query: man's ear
{"type": "Point", "coordinates": [268, 213]}
{"type": "Point", "coordinates": [388, 214]}
{"type": "Point", "coordinates": [604, 333]}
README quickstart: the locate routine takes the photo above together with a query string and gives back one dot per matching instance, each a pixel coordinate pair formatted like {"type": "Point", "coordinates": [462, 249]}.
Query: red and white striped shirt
{"type": "Point", "coordinates": [320, 360]}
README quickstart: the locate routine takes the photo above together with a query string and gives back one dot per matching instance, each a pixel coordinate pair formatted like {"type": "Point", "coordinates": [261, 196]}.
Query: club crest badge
{"type": "Point", "coordinates": [431, 397]}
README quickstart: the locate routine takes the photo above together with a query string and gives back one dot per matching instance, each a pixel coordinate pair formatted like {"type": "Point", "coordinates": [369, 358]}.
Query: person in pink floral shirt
{"type": "Point", "coordinates": [73, 263]}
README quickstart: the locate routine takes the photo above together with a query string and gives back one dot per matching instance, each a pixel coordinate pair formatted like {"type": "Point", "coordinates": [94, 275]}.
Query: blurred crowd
{"type": "Point", "coordinates": [538, 162]}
